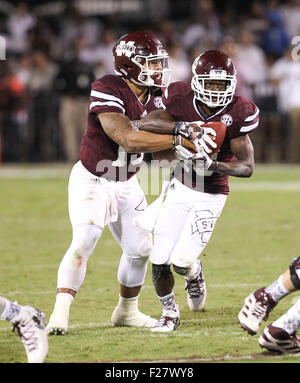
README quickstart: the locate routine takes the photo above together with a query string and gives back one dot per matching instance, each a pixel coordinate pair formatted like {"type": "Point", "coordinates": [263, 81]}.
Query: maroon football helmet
{"type": "Point", "coordinates": [141, 58]}
{"type": "Point", "coordinates": [213, 65]}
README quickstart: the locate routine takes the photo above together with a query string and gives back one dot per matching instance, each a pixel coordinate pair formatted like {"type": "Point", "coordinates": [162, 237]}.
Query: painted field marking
{"type": "Point", "coordinates": [46, 292]}
{"type": "Point", "coordinates": [265, 186]}
{"type": "Point", "coordinates": [63, 171]}
{"type": "Point", "coordinates": [226, 357]}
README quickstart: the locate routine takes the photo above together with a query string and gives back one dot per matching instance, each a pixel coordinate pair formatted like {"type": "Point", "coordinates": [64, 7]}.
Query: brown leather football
{"type": "Point", "coordinates": [220, 129]}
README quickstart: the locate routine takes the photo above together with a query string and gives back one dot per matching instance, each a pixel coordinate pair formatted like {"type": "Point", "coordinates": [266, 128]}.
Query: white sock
{"type": "Point", "coordinates": [62, 305]}
{"type": "Point", "coordinates": [128, 304]}
{"type": "Point", "coordinates": [168, 302]}
{"type": "Point", "coordinates": [10, 309]}
{"type": "Point", "coordinates": [290, 321]}
{"type": "Point", "coordinates": [277, 290]}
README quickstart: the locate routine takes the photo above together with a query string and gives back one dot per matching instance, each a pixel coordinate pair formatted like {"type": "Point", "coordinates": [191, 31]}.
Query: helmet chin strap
{"type": "Point", "coordinates": [213, 105]}
{"type": "Point", "coordinates": [151, 82]}
{"type": "Point", "coordinates": [127, 76]}
{"type": "Point", "coordinates": [206, 100]}
{"type": "Point", "coordinates": [209, 104]}
{"type": "Point", "coordinates": [123, 73]}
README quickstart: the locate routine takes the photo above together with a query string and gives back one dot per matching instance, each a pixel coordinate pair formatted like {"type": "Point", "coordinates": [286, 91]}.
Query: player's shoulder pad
{"type": "Point", "coordinates": [247, 113]}
{"type": "Point", "coordinates": [108, 81]}
{"type": "Point", "coordinates": [107, 93]}
{"type": "Point", "coordinates": [178, 88]}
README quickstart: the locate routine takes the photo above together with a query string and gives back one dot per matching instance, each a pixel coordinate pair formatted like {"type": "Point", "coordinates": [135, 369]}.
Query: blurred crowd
{"type": "Point", "coordinates": [54, 53]}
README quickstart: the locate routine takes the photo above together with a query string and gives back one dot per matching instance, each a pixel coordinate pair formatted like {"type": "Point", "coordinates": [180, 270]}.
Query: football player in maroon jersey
{"type": "Point", "coordinates": [279, 335]}
{"type": "Point", "coordinates": [198, 190]}
{"type": "Point", "coordinates": [103, 189]}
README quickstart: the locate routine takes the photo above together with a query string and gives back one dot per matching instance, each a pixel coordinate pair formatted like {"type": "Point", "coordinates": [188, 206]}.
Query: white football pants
{"type": "Point", "coordinates": [93, 203]}
{"type": "Point", "coordinates": [184, 225]}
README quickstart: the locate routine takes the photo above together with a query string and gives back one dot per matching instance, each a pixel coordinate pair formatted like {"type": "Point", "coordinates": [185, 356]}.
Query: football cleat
{"type": "Point", "coordinates": [169, 321]}
{"type": "Point", "coordinates": [122, 318]}
{"type": "Point", "coordinates": [31, 326]}
{"type": "Point", "coordinates": [196, 292]}
{"type": "Point", "coordinates": [276, 339]}
{"type": "Point", "coordinates": [57, 325]}
{"type": "Point", "coordinates": [257, 308]}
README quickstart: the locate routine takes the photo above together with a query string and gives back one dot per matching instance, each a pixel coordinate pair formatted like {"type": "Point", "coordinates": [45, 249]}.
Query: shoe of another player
{"type": "Point", "coordinates": [257, 308]}
{"type": "Point", "coordinates": [31, 326]}
{"type": "Point", "coordinates": [196, 292]}
{"type": "Point", "coordinates": [276, 339]}
{"type": "Point", "coordinates": [122, 318]}
{"type": "Point", "coordinates": [57, 325]}
{"type": "Point", "coordinates": [169, 321]}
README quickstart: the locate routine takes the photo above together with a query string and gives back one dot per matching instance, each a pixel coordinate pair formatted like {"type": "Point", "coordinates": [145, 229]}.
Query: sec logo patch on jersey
{"type": "Point", "coordinates": [158, 102]}
{"type": "Point", "coordinates": [227, 119]}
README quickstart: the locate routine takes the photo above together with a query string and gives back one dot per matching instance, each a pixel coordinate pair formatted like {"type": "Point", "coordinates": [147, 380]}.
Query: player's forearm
{"type": "Point", "coordinates": [146, 142]}
{"type": "Point", "coordinates": [243, 166]}
{"type": "Point", "coordinates": [119, 129]}
{"type": "Point", "coordinates": [156, 125]}
{"type": "Point", "coordinates": [238, 168]}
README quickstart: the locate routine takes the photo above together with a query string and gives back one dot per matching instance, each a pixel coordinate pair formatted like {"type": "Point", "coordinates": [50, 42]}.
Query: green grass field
{"type": "Point", "coordinates": [255, 240]}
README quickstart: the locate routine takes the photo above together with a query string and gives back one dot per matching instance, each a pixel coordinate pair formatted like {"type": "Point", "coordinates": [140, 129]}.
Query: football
{"type": "Point", "coordinates": [220, 129]}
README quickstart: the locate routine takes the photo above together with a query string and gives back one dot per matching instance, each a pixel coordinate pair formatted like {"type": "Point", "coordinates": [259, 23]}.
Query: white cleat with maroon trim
{"type": "Point", "coordinates": [276, 339]}
{"type": "Point", "coordinates": [257, 307]}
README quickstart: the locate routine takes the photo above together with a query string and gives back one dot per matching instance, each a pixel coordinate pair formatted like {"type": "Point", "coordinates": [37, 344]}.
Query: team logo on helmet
{"type": "Point", "coordinates": [227, 119]}
{"type": "Point", "coordinates": [126, 49]}
{"type": "Point", "coordinates": [140, 57]}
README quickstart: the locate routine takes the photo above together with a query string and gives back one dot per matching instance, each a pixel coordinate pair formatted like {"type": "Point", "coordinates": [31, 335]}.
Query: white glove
{"type": "Point", "coordinates": [184, 129]}
{"type": "Point", "coordinates": [183, 154]}
{"type": "Point", "coordinates": [205, 139]}
{"type": "Point", "coordinates": [202, 158]}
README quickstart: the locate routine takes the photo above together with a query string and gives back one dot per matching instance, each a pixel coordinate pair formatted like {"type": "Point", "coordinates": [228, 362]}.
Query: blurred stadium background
{"type": "Point", "coordinates": [55, 49]}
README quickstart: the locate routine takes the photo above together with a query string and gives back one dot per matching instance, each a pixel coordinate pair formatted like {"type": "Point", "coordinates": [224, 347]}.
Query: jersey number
{"type": "Point", "coordinates": [121, 160]}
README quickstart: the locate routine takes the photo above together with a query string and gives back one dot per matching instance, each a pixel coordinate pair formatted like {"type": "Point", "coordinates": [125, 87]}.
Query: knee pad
{"type": "Point", "coordinates": [162, 272]}
{"type": "Point", "coordinates": [72, 268]}
{"type": "Point", "coordinates": [85, 238]}
{"type": "Point", "coordinates": [295, 272]}
{"type": "Point", "coordinates": [181, 270]}
{"type": "Point", "coordinates": [132, 270]}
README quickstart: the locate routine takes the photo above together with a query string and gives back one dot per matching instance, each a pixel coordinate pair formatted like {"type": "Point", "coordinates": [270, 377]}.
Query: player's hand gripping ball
{"type": "Point", "coordinates": [212, 135]}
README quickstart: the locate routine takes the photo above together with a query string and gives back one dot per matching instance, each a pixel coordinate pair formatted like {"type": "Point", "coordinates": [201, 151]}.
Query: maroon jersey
{"type": "Point", "coordinates": [99, 154]}
{"type": "Point", "coordinates": [241, 117]}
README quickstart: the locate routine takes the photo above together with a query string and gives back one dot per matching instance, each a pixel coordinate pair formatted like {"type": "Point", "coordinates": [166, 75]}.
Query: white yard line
{"type": "Point", "coordinates": [145, 287]}
{"type": "Point", "coordinates": [226, 357]}
{"type": "Point", "coordinates": [35, 171]}
{"type": "Point", "coordinates": [76, 325]}
{"type": "Point", "coordinates": [265, 186]}
{"type": "Point", "coordinates": [212, 285]}
{"type": "Point", "coordinates": [194, 359]}
{"type": "Point", "coordinates": [39, 171]}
